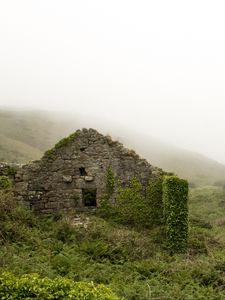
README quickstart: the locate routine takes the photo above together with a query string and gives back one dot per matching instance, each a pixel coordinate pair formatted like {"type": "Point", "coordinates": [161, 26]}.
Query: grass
{"type": "Point", "coordinates": [26, 135]}
{"type": "Point", "coordinates": [132, 262]}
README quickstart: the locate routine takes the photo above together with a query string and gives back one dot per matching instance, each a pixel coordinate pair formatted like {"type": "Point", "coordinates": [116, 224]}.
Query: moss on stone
{"type": "Point", "coordinates": [66, 141]}
{"type": "Point", "coordinates": [50, 154]}
{"type": "Point", "coordinates": [5, 182]}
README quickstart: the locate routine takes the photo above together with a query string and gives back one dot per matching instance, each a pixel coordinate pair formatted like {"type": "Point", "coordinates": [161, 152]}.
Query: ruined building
{"type": "Point", "coordinates": [73, 173]}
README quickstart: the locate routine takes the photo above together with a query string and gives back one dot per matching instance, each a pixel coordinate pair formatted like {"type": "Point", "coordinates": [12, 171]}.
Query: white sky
{"type": "Point", "coordinates": [156, 66]}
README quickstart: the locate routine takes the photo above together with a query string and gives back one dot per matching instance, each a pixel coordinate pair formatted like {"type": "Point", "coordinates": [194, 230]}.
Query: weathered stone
{"type": "Point", "coordinates": [67, 179]}
{"type": "Point", "coordinates": [62, 178]}
{"type": "Point", "coordinates": [88, 178]}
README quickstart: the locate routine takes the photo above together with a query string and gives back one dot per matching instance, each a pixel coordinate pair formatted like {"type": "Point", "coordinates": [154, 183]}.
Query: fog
{"type": "Point", "coordinates": [156, 67]}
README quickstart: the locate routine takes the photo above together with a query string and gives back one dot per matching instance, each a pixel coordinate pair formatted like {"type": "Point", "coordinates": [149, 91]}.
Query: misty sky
{"type": "Point", "coordinates": [156, 66]}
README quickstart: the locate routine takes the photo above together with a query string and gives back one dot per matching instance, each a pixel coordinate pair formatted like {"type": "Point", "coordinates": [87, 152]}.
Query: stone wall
{"type": "Point", "coordinates": [76, 166]}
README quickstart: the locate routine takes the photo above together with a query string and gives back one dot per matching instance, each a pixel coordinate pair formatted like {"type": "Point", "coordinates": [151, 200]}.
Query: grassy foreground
{"type": "Point", "coordinates": [132, 262]}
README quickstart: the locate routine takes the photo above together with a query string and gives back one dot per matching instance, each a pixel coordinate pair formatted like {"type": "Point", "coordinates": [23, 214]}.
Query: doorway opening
{"type": "Point", "coordinates": [89, 197]}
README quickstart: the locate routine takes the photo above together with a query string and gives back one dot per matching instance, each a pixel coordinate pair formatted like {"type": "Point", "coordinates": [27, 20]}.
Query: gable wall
{"type": "Point", "coordinates": [54, 183]}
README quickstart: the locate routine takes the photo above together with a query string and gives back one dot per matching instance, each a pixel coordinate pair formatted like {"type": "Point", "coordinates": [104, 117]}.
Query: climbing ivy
{"type": "Point", "coordinates": [131, 205]}
{"type": "Point", "coordinates": [175, 199]}
{"type": "Point", "coordinates": [154, 199]}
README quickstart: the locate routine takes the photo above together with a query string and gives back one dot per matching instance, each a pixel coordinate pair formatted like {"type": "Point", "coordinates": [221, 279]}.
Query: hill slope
{"type": "Point", "coordinates": [193, 166]}
{"type": "Point", "coordinates": [26, 135]}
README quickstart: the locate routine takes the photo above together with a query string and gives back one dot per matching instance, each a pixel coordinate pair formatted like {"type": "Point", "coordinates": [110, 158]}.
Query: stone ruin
{"type": "Point", "coordinates": [72, 175]}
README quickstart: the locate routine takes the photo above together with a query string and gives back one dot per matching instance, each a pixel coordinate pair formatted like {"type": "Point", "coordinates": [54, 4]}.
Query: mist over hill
{"type": "Point", "coordinates": [25, 135]}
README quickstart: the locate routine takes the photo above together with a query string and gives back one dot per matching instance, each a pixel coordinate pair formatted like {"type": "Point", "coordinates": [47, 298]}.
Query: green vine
{"type": "Point", "coordinates": [155, 199]}
{"type": "Point", "coordinates": [175, 199]}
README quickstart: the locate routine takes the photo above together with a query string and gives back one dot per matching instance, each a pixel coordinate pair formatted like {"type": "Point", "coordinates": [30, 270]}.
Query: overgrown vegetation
{"type": "Point", "coordinates": [155, 199]}
{"type": "Point", "coordinates": [5, 182]}
{"type": "Point", "coordinates": [129, 207]}
{"type": "Point", "coordinates": [132, 207]}
{"type": "Point", "coordinates": [131, 261]}
{"type": "Point", "coordinates": [62, 143]}
{"type": "Point", "coordinates": [32, 286]}
{"type": "Point", "coordinates": [66, 141]}
{"type": "Point", "coordinates": [175, 200]}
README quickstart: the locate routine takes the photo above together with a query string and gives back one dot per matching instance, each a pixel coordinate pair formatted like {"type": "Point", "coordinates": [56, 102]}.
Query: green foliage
{"type": "Point", "coordinates": [14, 219]}
{"type": "Point", "coordinates": [5, 182]}
{"type": "Point", "coordinates": [131, 205]}
{"type": "Point", "coordinates": [26, 135]}
{"type": "Point", "coordinates": [131, 261]}
{"type": "Point", "coordinates": [107, 209]}
{"type": "Point", "coordinates": [50, 154]}
{"type": "Point", "coordinates": [32, 286]}
{"type": "Point", "coordinates": [8, 170]}
{"type": "Point", "coordinates": [155, 199]}
{"type": "Point", "coordinates": [66, 141]}
{"type": "Point", "coordinates": [175, 199]}
{"type": "Point", "coordinates": [110, 181]}
{"type": "Point", "coordinates": [11, 171]}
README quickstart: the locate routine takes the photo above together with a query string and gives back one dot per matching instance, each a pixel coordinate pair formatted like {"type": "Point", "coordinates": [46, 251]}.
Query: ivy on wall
{"type": "Point", "coordinates": [131, 205]}
{"type": "Point", "coordinates": [154, 198]}
{"type": "Point", "coordinates": [175, 200]}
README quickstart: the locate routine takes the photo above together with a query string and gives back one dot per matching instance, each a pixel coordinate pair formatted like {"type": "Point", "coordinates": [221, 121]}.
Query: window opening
{"type": "Point", "coordinates": [82, 172]}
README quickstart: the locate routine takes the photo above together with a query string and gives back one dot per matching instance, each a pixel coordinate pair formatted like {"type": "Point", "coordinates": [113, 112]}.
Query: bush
{"type": "Point", "coordinates": [175, 196]}
{"type": "Point", "coordinates": [32, 286]}
{"type": "Point", "coordinates": [15, 220]}
{"type": "Point", "coordinates": [5, 182]}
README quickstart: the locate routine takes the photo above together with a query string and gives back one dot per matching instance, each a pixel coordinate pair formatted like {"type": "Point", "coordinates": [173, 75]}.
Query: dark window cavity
{"type": "Point", "coordinates": [82, 172]}
{"type": "Point", "coordinates": [89, 197]}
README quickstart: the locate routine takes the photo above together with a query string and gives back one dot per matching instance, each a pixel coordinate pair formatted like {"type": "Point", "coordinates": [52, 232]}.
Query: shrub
{"type": "Point", "coordinates": [175, 196]}
{"type": "Point", "coordinates": [64, 231]}
{"type": "Point", "coordinates": [32, 286]}
{"type": "Point", "coordinates": [5, 182]}
{"type": "Point", "coordinates": [15, 220]}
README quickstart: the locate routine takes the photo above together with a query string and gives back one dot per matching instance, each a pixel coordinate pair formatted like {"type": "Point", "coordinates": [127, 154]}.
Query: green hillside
{"type": "Point", "coordinates": [25, 135]}
{"type": "Point", "coordinates": [190, 165]}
